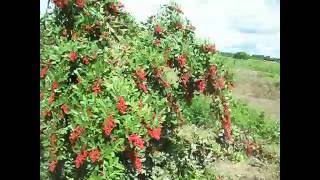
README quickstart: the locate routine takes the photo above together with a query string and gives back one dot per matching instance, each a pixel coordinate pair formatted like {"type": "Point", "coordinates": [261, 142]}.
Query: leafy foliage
{"type": "Point", "coordinates": [241, 55]}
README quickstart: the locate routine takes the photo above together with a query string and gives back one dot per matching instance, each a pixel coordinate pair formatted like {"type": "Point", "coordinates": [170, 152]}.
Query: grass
{"type": "Point", "coordinates": [268, 67]}
{"type": "Point", "coordinates": [254, 122]}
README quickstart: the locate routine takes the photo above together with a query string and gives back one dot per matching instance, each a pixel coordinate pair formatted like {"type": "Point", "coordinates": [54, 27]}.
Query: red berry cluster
{"type": "Point", "coordinates": [74, 136]}
{"type": "Point", "coordinates": [141, 74]}
{"type": "Point", "coordinates": [217, 82]}
{"type": "Point", "coordinates": [109, 125]}
{"type": "Point", "coordinates": [213, 70]}
{"type": "Point", "coordinates": [73, 56]}
{"type": "Point", "coordinates": [94, 155]}
{"type": "Point", "coordinates": [158, 30]}
{"type": "Point", "coordinates": [64, 108]}
{"type": "Point", "coordinates": [54, 85]}
{"type": "Point", "coordinates": [201, 85]}
{"type": "Point", "coordinates": [136, 141]}
{"type": "Point", "coordinates": [61, 3]}
{"type": "Point", "coordinates": [81, 157]}
{"type": "Point", "coordinates": [157, 72]}
{"type": "Point", "coordinates": [52, 166]}
{"type": "Point", "coordinates": [143, 87]}
{"type": "Point", "coordinates": [155, 133]}
{"type": "Point", "coordinates": [44, 71]}
{"type": "Point", "coordinates": [136, 161]}
{"type": "Point", "coordinates": [51, 98]}
{"type": "Point", "coordinates": [141, 77]}
{"type": "Point", "coordinates": [48, 114]}
{"type": "Point", "coordinates": [182, 60]}
{"type": "Point", "coordinates": [64, 3]}
{"type": "Point", "coordinates": [185, 80]}
{"type": "Point", "coordinates": [114, 8]}
{"type": "Point", "coordinates": [96, 88]}
{"type": "Point", "coordinates": [209, 48]}
{"type": "Point", "coordinates": [80, 3]}
{"type": "Point", "coordinates": [85, 60]}
{"type": "Point", "coordinates": [226, 122]}
{"type": "Point", "coordinates": [121, 105]}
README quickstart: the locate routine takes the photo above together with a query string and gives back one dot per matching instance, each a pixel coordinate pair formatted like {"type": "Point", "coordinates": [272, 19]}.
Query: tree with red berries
{"type": "Point", "coordinates": [107, 89]}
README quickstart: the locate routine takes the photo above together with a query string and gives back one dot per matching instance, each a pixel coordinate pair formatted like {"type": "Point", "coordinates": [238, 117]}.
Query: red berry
{"type": "Point", "coordinates": [108, 125]}
{"type": "Point", "coordinates": [51, 98]}
{"type": "Point", "coordinates": [52, 166]}
{"type": "Point", "coordinates": [75, 134]}
{"type": "Point", "coordinates": [44, 71]}
{"type": "Point", "coordinates": [55, 85]}
{"type": "Point", "coordinates": [85, 60]}
{"type": "Point", "coordinates": [80, 3]}
{"type": "Point", "coordinates": [136, 141]}
{"type": "Point", "coordinates": [201, 85]}
{"type": "Point", "coordinates": [141, 74]}
{"type": "Point", "coordinates": [143, 87]}
{"type": "Point", "coordinates": [157, 29]}
{"type": "Point", "coordinates": [73, 56]}
{"type": "Point", "coordinates": [65, 108]}
{"type": "Point", "coordinates": [155, 133]}
{"type": "Point", "coordinates": [94, 155]}
{"type": "Point", "coordinates": [182, 61]}
{"type": "Point", "coordinates": [121, 105]}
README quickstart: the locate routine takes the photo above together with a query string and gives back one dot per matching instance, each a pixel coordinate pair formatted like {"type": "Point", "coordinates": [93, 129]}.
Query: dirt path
{"type": "Point", "coordinates": [244, 170]}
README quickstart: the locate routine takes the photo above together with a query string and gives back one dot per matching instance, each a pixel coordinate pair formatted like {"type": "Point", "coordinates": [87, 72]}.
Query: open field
{"type": "Point", "coordinates": [257, 83]}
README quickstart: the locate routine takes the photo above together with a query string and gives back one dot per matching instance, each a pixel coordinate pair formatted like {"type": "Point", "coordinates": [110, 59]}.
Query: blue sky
{"type": "Point", "coordinates": [252, 26]}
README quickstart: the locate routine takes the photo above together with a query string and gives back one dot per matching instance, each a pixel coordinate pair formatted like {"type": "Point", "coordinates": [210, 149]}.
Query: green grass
{"type": "Point", "coordinates": [269, 67]}
{"type": "Point", "coordinates": [255, 123]}
{"type": "Point", "coordinates": [244, 118]}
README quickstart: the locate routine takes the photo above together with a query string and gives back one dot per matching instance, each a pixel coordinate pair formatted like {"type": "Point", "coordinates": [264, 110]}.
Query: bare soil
{"type": "Point", "coordinates": [245, 170]}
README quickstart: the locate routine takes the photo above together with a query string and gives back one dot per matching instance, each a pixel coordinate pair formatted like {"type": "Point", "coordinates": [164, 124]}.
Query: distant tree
{"type": "Point", "coordinates": [259, 57]}
{"type": "Point", "coordinates": [241, 55]}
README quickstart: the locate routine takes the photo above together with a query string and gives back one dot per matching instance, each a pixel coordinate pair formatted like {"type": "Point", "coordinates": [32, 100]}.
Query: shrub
{"type": "Point", "coordinates": [109, 94]}
{"type": "Point", "coordinates": [241, 55]}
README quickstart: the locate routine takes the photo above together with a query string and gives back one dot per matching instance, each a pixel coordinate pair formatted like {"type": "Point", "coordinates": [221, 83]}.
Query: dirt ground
{"type": "Point", "coordinates": [258, 92]}
{"type": "Point", "coordinates": [245, 170]}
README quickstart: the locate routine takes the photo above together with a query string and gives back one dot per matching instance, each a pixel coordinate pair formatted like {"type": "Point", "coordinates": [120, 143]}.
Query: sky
{"type": "Point", "coordinates": [252, 26]}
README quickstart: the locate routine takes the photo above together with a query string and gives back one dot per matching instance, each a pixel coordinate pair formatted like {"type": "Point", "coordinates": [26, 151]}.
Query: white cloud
{"type": "Point", "coordinates": [233, 25]}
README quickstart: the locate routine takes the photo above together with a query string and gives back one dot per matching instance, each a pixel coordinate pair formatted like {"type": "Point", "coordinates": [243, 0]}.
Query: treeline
{"type": "Point", "coordinates": [243, 55]}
